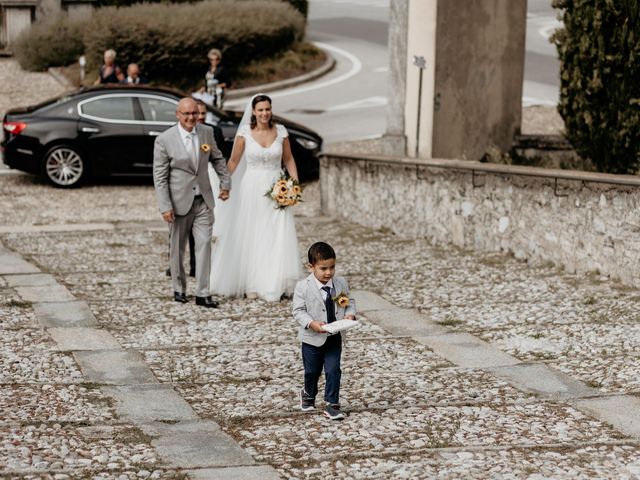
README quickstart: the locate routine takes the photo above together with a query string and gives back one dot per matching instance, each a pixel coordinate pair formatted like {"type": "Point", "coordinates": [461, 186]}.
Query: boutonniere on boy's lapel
{"type": "Point", "coordinates": [341, 299]}
{"type": "Point", "coordinates": [205, 147]}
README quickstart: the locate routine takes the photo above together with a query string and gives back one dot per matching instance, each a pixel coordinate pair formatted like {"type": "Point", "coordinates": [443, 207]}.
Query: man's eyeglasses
{"type": "Point", "coordinates": [188, 114]}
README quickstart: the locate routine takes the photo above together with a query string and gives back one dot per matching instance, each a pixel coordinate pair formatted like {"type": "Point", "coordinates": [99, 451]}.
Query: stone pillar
{"type": "Point", "coordinates": [394, 138]}
{"type": "Point", "coordinates": [479, 75]}
{"type": "Point", "coordinates": [421, 42]}
{"type": "Point", "coordinates": [471, 98]}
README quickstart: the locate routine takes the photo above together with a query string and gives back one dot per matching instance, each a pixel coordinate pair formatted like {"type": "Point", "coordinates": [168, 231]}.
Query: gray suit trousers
{"type": "Point", "coordinates": [199, 219]}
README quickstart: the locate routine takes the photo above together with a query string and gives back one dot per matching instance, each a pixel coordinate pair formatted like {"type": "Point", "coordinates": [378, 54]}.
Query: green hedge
{"type": "Point", "coordinates": [301, 5]}
{"type": "Point", "coordinates": [599, 49]}
{"type": "Point", "coordinates": [52, 43]}
{"type": "Point", "coordinates": [171, 42]}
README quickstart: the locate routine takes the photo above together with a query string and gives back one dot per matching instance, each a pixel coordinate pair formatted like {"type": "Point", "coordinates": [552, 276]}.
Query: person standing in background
{"type": "Point", "coordinates": [133, 75]}
{"type": "Point", "coordinates": [109, 72]}
{"type": "Point", "coordinates": [216, 79]}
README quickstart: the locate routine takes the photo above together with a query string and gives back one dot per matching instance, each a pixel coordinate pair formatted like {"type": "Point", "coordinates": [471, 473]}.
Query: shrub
{"type": "Point", "coordinates": [599, 49]}
{"type": "Point", "coordinates": [51, 43]}
{"type": "Point", "coordinates": [170, 42]}
{"type": "Point", "coordinates": [301, 5]}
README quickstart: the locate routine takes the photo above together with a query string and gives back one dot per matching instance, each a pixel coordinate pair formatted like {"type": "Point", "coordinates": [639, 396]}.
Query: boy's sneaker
{"type": "Point", "coordinates": [333, 412]}
{"type": "Point", "coordinates": [307, 403]}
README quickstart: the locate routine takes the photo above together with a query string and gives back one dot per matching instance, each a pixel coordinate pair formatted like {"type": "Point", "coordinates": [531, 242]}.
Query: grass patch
{"type": "Point", "coordinates": [18, 303]}
{"type": "Point", "coordinates": [541, 355]}
{"type": "Point", "coordinates": [133, 436]}
{"type": "Point", "coordinates": [302, 58]}
{"type": "Point", "coordinates": [593, 383]}
{"type": "Point", "coordinates": [601, 319]}
{"type": "Point", "coordinates": [494, 260]}
{"type": "Point", "coordinates": [590, 301]}
{"type": "Point", "coordinates": [450, 322]}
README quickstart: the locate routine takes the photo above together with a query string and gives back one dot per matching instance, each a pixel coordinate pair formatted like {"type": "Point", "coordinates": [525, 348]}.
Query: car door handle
{"type": "Point", "coordinates": [153, 133]}
{"type": "Point", "coordinates": [90, 130]}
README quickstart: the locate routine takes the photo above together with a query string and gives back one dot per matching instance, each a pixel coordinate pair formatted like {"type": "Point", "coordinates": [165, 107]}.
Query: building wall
{"type": "Point", "coordinates": [478, 76]}
{"type": "Point", "coordinates": [577, 222]}
{"type": "Point", "coordinates": [15, 21]}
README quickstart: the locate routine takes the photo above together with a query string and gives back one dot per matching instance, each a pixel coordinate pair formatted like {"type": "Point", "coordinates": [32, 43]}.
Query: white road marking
{"type": "Point", "coordinates": [362, 3]}
{"type": "Point", "coordinates": [362, 103]}
{"type": "Point", "coordinates": [529, 101]}
{"type": "Point", "coordinates": [548, 29]}
{"type": "Point", "coordinates": [356, 66]}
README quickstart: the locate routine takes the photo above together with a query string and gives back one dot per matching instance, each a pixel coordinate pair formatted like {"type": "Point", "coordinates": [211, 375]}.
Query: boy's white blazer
{"type": "Point", "coordinates": [308, 305]}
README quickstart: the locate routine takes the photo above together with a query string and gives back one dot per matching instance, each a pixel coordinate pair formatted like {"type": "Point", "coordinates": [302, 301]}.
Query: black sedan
{"type": "Point", "coordinates": [110, 130]}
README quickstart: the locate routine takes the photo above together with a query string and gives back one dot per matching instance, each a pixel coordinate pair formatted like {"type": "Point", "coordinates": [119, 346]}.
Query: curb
{"type": "Point", "coordinates": [60, 78]}
{"type": "Point", "coordinates": [328, 65]}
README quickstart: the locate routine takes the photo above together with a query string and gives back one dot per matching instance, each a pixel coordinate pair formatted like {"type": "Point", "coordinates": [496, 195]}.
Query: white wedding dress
{"type": "Point", "coordinates": [256, 249]}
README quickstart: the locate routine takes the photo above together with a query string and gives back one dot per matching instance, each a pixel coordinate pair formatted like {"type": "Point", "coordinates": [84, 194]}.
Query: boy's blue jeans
{"type": "Point", "coordinates": [327, 356]}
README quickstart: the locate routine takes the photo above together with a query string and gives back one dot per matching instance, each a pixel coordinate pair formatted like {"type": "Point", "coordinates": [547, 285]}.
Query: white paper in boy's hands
{"type": "Point", "coordinates": [339, 325]}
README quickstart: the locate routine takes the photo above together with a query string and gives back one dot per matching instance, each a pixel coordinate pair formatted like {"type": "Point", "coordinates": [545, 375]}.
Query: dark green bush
{"type": "Point", "coordinates": [301, 5]}
{"type": "Point", "coordinates": [52, 43]}
{"type": "Point", "coordinates": [170, 42]}
{"type": "Point", "coordinates": [599, 49]}
{"type": "Point", "coordinates": [126, 3]}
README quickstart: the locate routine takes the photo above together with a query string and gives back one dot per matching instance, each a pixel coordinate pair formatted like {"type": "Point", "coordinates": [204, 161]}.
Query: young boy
{"type": "Point", "coordinates": [319, 299]}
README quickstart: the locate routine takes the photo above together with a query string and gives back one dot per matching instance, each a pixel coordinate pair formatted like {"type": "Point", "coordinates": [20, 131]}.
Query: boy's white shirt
{"type": "Point", "coordinates": [321, 285]}
{"type": "Point", "coordinates": [308, 305]}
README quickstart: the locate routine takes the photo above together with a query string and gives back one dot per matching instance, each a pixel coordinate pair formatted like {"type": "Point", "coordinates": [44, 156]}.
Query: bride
{"type": "Point", "coordinates": [256, 251]}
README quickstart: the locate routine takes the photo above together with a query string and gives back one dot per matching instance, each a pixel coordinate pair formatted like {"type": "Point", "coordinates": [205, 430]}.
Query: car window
{"type": "Point", "coordinates": [110, 108]}
{"type": "Point", "coordinates": [158, 109]}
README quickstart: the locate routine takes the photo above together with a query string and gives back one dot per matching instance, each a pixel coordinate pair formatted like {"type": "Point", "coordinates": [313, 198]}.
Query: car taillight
{"type": "Point", "coordinates": [14, 128]}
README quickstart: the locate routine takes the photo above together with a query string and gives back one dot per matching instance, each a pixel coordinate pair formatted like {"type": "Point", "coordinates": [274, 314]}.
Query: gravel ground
{"type": "Point", "coordinates": [412, 414]}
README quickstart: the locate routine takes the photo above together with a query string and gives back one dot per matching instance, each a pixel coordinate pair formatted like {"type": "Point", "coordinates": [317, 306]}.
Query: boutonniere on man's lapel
{"type": "Point", "coordinates": [205, 147]}
{"type": "Point", "coordinates": [341, 299]}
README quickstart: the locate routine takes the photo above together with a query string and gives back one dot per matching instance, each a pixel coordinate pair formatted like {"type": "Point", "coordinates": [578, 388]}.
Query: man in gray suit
{"type": "Point", "coordinates": [181, 180]}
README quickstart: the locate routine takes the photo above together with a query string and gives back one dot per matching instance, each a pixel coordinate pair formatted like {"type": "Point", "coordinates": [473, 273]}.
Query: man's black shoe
{"type": "Point", "coordinates": [180, 297]}
{"type": "Point", "coordinates": [206, 302]}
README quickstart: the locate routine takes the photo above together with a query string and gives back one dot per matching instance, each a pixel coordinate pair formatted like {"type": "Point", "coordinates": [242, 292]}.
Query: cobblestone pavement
{"type": "Point", "coordinates": [412, 412]}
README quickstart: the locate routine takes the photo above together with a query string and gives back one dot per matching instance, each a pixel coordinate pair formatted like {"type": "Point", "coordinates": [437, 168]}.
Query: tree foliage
{"type": "Point", "coordinates": [599, 49]}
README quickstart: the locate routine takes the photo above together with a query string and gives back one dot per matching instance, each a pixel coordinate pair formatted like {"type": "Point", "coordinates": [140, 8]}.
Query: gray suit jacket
{"type": "Point", "coordinates": [174, 175]}
{"type": "Point", "coordinates": [308, 305]}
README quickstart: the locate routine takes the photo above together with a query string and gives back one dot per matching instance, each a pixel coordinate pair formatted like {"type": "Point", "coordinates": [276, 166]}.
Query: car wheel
{"type": "Point", "coordinates": [64, 166]}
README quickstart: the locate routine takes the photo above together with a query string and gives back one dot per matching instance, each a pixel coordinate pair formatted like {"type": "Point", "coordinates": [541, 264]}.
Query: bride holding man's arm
{"type": "Point", "coordinates": [256, 251]}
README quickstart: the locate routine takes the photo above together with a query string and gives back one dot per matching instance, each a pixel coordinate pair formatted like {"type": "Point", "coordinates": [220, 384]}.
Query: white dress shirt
{"type": "Point", "coordinates": [320, 285]}
{"type": "Point", "coordinates": [192, 145]}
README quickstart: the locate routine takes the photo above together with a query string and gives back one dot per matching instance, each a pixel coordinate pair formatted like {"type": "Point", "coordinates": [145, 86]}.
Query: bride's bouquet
{"type": "Point", "coordinates": [286, 192]}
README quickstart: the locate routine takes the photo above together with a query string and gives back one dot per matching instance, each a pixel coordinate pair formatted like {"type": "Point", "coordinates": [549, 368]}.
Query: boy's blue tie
{"type": "Point", "coordinates": [328, 303]}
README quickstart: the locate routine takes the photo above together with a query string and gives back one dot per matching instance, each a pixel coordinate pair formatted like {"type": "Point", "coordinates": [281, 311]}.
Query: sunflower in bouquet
{"type": "Point", "coordinates": [285, 192]}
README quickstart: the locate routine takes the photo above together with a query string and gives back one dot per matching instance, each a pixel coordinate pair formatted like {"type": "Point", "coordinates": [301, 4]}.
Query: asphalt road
{"type": "Point", "coordinates": [350, 102]}
{"type": "Point", "coordinates": [541, 67]}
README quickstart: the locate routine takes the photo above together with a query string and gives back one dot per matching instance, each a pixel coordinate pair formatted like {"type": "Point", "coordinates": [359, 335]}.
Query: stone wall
{"type": "Point", "coordinates": [584, 222]}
